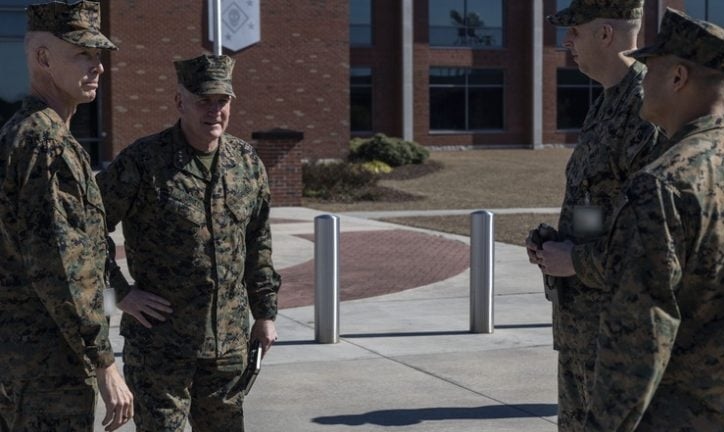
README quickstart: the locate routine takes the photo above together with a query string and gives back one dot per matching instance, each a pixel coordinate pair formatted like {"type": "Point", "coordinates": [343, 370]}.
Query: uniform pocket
{"type": "Point", "coordinates": [182, 206]}
{"type": "Point", "coordinates": [238, 209]}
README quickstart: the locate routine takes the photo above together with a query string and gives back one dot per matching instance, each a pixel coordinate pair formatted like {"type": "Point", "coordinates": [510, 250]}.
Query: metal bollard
{"type": "Point", "coordinates": [326, 279]}
{"type": "Point", "coordinates": [482, 264]}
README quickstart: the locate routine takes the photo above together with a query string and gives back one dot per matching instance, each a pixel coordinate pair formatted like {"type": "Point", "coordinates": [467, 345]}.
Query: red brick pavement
{"type": "Point", "coordinates": [373, 263]}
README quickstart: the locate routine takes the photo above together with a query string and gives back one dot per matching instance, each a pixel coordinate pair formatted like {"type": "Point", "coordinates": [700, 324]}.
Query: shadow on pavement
{"type": "Point", "coordinates": [405, 417]}
{"type": "Point", "coordinates": [409, 334]}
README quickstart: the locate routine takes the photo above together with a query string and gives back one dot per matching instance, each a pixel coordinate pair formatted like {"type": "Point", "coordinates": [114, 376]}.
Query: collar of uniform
{"type": "Point", "coordinates": [623, 88]}
{"type": "Point", "coordinates": [701, 124]}
{"type": "Point", "coordinates": [33, 103]}
{"type": "Point", "coordinates": [183, 155]}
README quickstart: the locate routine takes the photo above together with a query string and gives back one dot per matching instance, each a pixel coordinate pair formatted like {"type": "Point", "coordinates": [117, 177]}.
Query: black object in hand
{"type": "Point", "coordinates": [252, 368]}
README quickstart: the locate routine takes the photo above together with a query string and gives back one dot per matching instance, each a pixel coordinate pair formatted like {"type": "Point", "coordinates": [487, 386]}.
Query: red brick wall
{"type": "Point", "coordinates": [297, 77]}
{"type": "Point", "coordinates": [385, 59]}
{"type": "Point", "coordinates": [280, 152]}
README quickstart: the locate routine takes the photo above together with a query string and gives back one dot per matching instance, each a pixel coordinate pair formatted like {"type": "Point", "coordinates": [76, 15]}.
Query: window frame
{"type": "Point", "coordinates": [465, 45]}
{"type": "Point", "coordinates": [707, 11]}
{"type": "Point", "coordinates": [591, 86]}
{"type": "Point", "coordinates": [561, 31]}
{"type": "Point", "coordinates": [371, 42]}
{"type": "Point", "coordinates": [466, 86]}
{"type": "Point", "coordinates": [369, 86]}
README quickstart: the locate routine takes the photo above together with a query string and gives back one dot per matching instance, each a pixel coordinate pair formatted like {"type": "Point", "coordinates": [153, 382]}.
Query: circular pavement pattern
{"type": "Point", "coordinates": [373, 263]}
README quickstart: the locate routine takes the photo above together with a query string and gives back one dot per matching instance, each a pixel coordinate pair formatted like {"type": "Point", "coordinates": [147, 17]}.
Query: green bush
{"type": "Point", "coordinates": [392, 151]}
{"type": "Point", "coordinates": [338, 181]}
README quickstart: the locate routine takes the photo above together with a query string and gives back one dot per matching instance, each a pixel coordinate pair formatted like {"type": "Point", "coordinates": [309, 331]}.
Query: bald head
{"type": "Point", "coordinates": [38, 46]}
{"type": "Point", "coordinates": [35, 40]}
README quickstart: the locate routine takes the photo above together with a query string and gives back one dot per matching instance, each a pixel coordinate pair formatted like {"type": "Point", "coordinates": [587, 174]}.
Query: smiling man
{"type": "Point", "coordinates": [194, 203]}
{"type": "Point", "coordinates": [614, 142]}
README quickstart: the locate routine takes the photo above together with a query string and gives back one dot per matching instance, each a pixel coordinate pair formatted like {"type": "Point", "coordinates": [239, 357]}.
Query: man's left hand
{"type": "Point", "coordinates": [264, 330]}
{"type": "Point", "coordinates": [555, 259]}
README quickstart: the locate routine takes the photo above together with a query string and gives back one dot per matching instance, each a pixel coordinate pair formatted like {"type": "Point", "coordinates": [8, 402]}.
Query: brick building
{"type": "Point", "coordinates": [445, 73]}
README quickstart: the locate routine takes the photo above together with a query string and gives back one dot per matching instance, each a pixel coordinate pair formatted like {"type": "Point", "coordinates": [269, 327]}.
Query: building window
{"type": "Point", "coordinates": [466, 23]}
{"type": "Point", "coordinates": [360, 22]}
{"type": "Point", "coordinates": [576, 93]}
{"type": "Point", "coordinates": [13, 69]}
{"type": "Point", "coordinates": [360, 106]}
{"type": "Point", "coordinates": [466, 99]}
{"type": "Point", "coordinates": [561, 31]}
{"type": "Point", "coordinates": [709, 10]}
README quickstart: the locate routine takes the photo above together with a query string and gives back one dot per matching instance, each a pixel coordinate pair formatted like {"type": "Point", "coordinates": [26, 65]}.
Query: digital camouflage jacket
{"type": "Point", "coordinates": [661, 345]}
{"type": "Point", "coordinates": [199, 239]}
{"type": "Point", "coordinates": [52, 251]}
{"type": "Point", "coordinates": [614, 142]}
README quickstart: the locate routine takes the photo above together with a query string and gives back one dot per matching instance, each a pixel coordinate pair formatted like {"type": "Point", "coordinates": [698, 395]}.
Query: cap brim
{"type": "Point", "coordinates": [88, 39]}
{"type": "Point", "coordinates": [643, 53]}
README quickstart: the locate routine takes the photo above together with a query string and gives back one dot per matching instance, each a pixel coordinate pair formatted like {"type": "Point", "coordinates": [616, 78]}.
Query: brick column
{"type": "Point", "coordinates": [281, 153]}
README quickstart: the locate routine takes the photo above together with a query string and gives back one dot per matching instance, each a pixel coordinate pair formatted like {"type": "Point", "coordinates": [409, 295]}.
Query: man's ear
{"type": "Point", "coordinates": [42, 57]}
{"type": "Point", "coordinates": [680, 76]}
{"type": "Point", "coordinates": [605, 34]}
{"type": "Point", "coordinates": [179, 102]}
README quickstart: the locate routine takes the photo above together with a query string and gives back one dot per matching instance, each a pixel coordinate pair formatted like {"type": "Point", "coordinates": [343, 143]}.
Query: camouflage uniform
{"type": "Point", "coordinates": [200, 239]}
{"type": "Point", "coordinates": [661, 343]}
{"type": "Point", "coordinates": [53, 334]}
{"type": "Point", "coordinates": [614, 142]}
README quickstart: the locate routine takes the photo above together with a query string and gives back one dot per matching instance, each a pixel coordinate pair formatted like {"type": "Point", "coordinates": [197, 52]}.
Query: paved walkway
{"type": "Point", "coordinates": [406, 359]}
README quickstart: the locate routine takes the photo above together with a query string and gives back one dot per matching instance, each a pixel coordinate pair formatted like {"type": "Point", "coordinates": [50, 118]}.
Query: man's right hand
{"type": "Point", "coordinates": [139, 303]}
{"type": "Point", "coordinates": [116, 396]}
{"type": "Point", "coordinates": [532, 245]}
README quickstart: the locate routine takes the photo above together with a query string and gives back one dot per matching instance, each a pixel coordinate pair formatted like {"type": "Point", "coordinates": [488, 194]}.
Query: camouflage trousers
{"type": "Point", "coordinates": [47, 404]}
{"type": "Point", "coordinates": [169, 390]}
{"type": "Point", "coordinates": [575, 381]}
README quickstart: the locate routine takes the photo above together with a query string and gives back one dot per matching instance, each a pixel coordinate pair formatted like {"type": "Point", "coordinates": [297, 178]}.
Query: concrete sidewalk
{"type": "Point", "coordinates": [406, 360]}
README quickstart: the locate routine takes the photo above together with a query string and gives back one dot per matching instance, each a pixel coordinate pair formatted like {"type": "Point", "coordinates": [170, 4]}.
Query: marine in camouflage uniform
{"type": "Point", "coordinates": [53, 333]}
{"type": "Point", "coordinates": [660, 364]}
{"type": "Point", "coordinates": [614, 142]}
{"type": "Point", "coordinates": [197, 234]}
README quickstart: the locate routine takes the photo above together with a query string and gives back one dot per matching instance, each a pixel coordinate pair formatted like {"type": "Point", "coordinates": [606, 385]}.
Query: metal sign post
{"type": "Point", "coordinates": [217, 27]}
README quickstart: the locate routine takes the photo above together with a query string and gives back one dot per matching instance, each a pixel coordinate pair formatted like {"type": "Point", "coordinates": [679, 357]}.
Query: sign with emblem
{"type": "Point", "coordinates": [240, 23]}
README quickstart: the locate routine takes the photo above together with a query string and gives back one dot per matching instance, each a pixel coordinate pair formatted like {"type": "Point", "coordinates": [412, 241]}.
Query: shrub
{"type": "Point", "coordinates": [392, 151]}
{"type": "Point", "coordinates": [338, 181]}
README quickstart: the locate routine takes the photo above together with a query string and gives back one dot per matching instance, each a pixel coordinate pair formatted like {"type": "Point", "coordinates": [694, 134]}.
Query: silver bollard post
{"type": "Point", "coordinates": [326, 278]}
{"type": "Point", "coordinates": [482, 264]}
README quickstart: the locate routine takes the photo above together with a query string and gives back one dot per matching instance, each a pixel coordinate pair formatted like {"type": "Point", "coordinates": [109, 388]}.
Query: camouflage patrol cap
{"type": "Point", "coordinates": [77, 23]}
{"type": "Point", "coordinates": [583, 11]}
{"type": "Point", "coordinates": [206, 74]}
{"type": "Point", "coordinates": [691, 39]}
